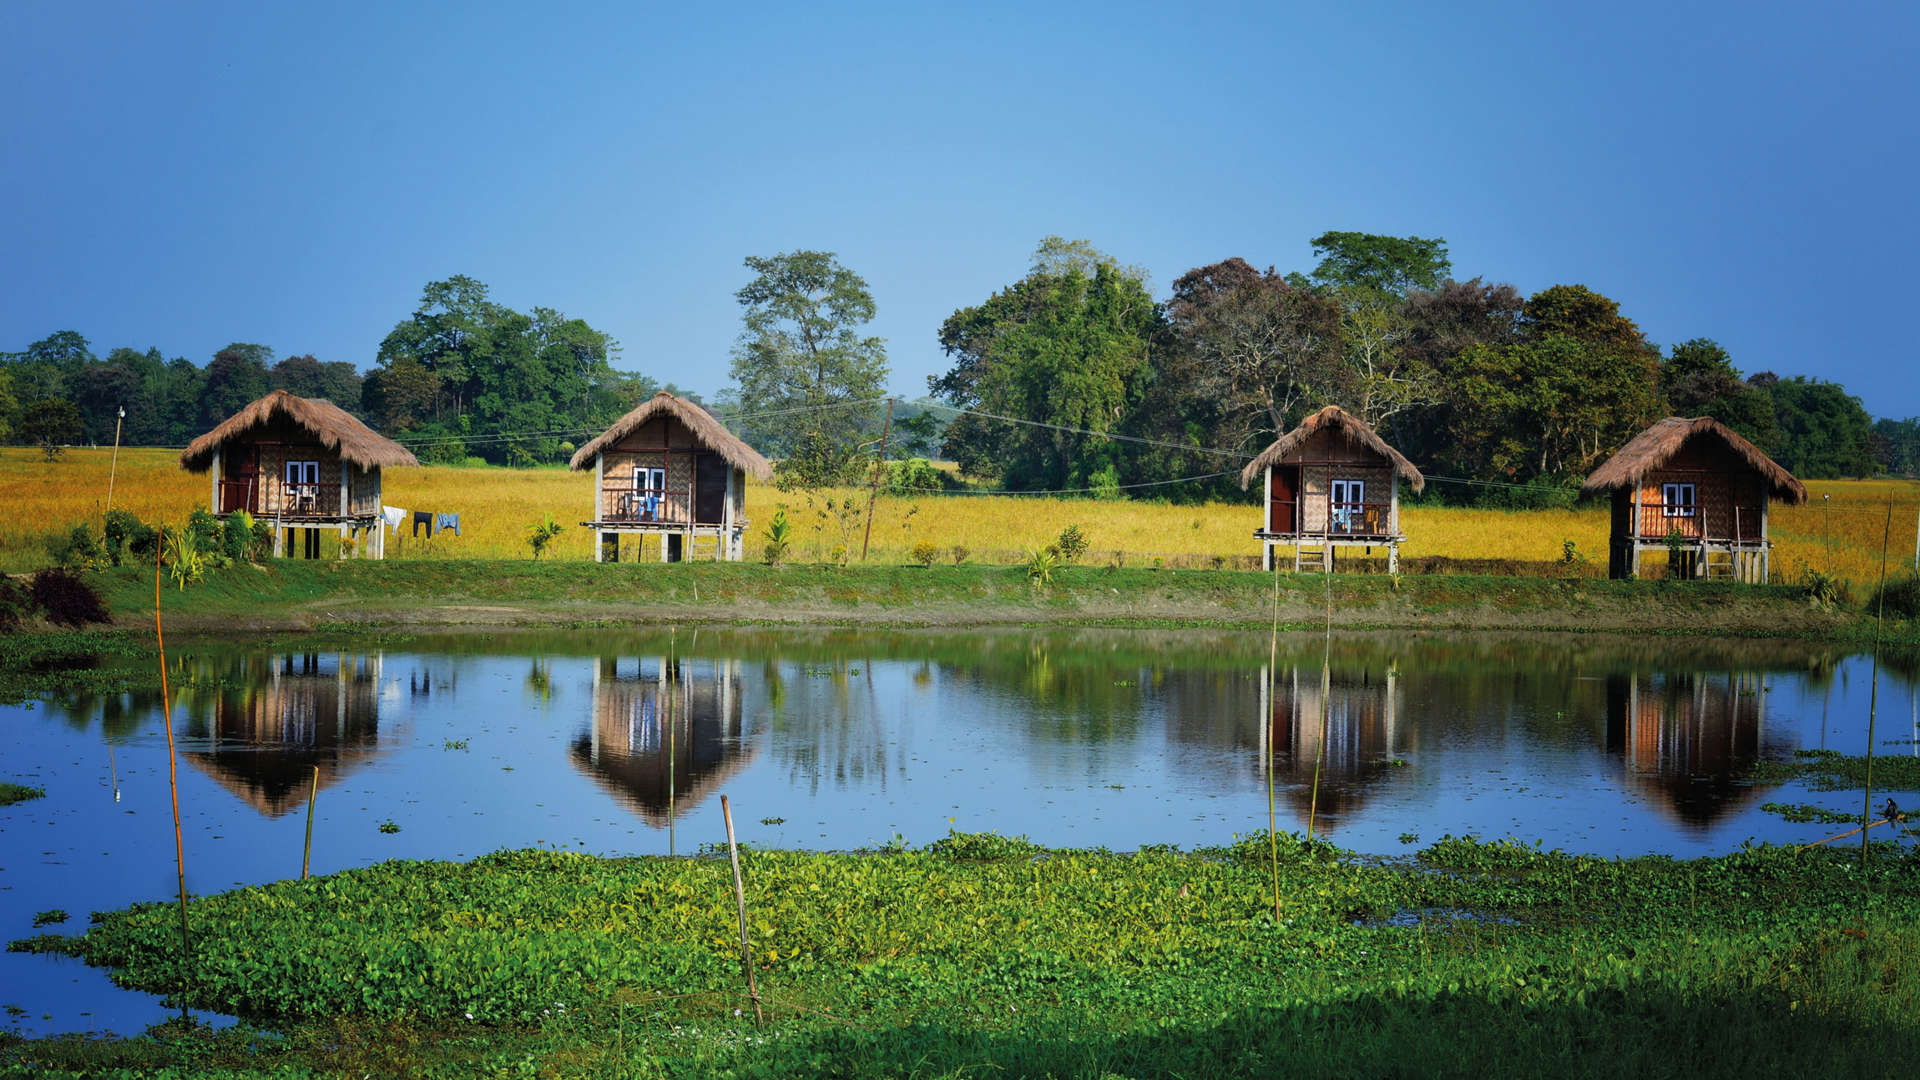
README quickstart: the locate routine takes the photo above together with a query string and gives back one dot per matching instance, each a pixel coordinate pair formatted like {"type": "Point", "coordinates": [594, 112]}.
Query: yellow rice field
{"type": "Point", "coordinates": [496, 506]}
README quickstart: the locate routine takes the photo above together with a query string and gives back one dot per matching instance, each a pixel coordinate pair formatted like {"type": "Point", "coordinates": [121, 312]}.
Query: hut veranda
{"type": "Point", "coordinates": [669, 469]}
{"type": "Point", "coordinates": [1330, 483]}
{"type": "Point", "coordinates": [299, 463]}
{"type": "Point", "coordinates": [1697, 491]}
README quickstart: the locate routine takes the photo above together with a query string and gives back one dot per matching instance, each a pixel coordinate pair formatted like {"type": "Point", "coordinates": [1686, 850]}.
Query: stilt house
{"type": "Point", "coordinates": [669, 469]}
{"type": "Point", "coordinates": [1330, 483]}
{"type": "Point", "coordinates": [298, 463]}
{"type": "Point", "coordinates": [1697, 491]}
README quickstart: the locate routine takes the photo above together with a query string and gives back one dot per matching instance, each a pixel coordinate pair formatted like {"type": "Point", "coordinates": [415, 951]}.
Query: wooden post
{"type": "Point", "coordinates": [686, 542]}
{"type": "Point", "coordinates": [740, 904]}
{"type": "Point", "coordinates": [114, 467]}
{"type": "Point", "coordinates": [313, 796]}
{"type": "Point", "coordinates": [726, 533]}
{"type": "Point", "coordinates": [873, 494]}
{"type": "Point", "coordinates": [214, 503]}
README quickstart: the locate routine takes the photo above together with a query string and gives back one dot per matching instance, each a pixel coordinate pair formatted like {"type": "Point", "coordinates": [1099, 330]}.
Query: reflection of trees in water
{"type": "Point", "coordinates": [827, 725]}
{"type": "Point", "coordinates": [1690, 739]}
{"type": "Point", "coordinates": [266, 722]}
{"type": "Point", "coordinates": [664, 732]}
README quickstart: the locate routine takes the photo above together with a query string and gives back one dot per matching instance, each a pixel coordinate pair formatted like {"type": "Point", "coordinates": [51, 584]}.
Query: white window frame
{"type": "Point", "coordinates": [1678, 500]}
{"type": "Point", "coordinates": [1345, 517]}
{"type": "Point", "coordinates": [303, 472]}
{"type": "Point", "coordinates": [649, 479]}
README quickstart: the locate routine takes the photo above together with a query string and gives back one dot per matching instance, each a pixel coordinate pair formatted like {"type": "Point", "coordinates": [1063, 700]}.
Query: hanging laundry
{"type": "Point", "coordinates": [444, 522]}
{"type": "Point", "coordinates": [394, 516]}
{"type": "Point", "coordinates": [423, 517]}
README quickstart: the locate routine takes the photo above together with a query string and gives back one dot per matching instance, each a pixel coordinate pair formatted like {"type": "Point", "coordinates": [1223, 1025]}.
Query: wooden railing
{"type": "Point", "coordinates": [288, 500]}
{"type": "Point", "coordinates": [1342, 518]}
{"type": "Point", "coordinates": [1692, 521]}
{"type": "Point", "coordinates": [641, 503]}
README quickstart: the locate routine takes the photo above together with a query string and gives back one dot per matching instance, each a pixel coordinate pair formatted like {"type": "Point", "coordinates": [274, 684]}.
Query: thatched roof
{"type": "Point", "coordinates": [712, 433]}
{"type": "Point", "coordinates": [329, 424]}
{"type": "Point", "coordinates": [1657, 445]}
{"type": "Point", "coordinates": [1355, 430]}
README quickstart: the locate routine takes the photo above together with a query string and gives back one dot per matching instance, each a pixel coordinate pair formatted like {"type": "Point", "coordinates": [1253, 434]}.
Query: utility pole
{"type": "Point", "coordinates": [879, 467]}
{"type": "Point", "coordinates": [115, 466]}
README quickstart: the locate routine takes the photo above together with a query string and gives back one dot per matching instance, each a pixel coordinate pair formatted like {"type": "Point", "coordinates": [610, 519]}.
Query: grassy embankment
{"type": "Point", "coordinates": [497, 506]}
{"type": "Point", "coordinates": [986, 956]}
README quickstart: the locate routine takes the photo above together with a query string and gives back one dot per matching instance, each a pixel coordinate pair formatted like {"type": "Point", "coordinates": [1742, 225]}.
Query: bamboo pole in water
{"type": "Point", "coordinates": [740, 904]}
{"type": "Point", "coordinates": [1273, 663]}
{"type": "Point", "coordinates": [1326, 691]}
{"type": "Point", "coordinates": [173, 774]}
{"type": "Point", "coordinates": [1873, 694]}
{"type": "Point", "coordinates": [313, 796]}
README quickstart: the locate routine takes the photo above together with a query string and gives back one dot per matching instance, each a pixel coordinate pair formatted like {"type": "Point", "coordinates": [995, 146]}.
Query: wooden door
{"type": "Point", "coordinates": [1284, 490]}
{"type": "Point", "coordinates": [240, 480]}
{"type": "Point", "coordinates": [710, 489]}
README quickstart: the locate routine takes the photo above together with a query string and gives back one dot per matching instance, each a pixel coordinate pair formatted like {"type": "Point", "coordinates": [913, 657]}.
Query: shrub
{"type": "Point", "coordinates": [181, 556]}
{"type": "Point", "coordinates": [1824, 590]}
{"type": "Point", "coordinates": [1900, 597]}
{"type": "Point", "coordinates": [1072, 543]}
{"type": "Point", "coordinates": [915, 475]}
{"type": "Point", "coordinates": [126, 536]}
{"type": "Point", "coordinates": [239, 538]}
{"type": "Point", "coordinates": [1041, 563]}
{"type": "Point", "coordinates": [15, 604]}
{"type": "Point", "coordinates": [66, 600]}
{"type": "Point", "coordinates": [206, 535]}
{"type": "Point", "coordinates": [925, 552]}
{"type": "Point", "coordinates": [1539, 493]}
{"type": "Point", "coordinates": [1105, 483]}
{"type": "Point", "coordinates": [779, 536]}
{"type": "Point", "coordinates": [542, 533]}
{"type": "Point", "coordinates": [959, 553]}
{"type": "Point", "coordinates": [80, 550]}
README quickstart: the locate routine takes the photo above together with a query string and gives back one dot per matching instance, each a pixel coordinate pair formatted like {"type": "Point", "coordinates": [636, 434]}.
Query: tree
{"type": "Point", "coordinates": [1898, 442]}
{"type": "Point", "coordinates": [1824, 431]}
{"type": "Point", "coordinates": [49, 423]}
{"type": "Point", "coordinates": [236, 378]}
{"type": "Point", "coordinates": [9, 406]}
{"type": "Point", "coordinates": [802, 354]}
{"type": "Point", "coordinates": [1551, 407]}
{"type": "Point", "coordinates": [306, 376]}
{"type": "Point", "coordinates": [1254, 347]}
{"type": "Point", "coordinates": [1393, 265]}
{"type": "Point", "coordinates": [401, 395]}
{"type": "Point", "coordinates": [1068, 350]}
{"type": "Point", "coordinates": [1699, 379]}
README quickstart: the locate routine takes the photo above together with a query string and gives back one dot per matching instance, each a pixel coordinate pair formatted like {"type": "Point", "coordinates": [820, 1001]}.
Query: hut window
{"type": "Point", "coordinates": [1348, 511]}
{"type": "Point", "coordinates": [1677, 500]}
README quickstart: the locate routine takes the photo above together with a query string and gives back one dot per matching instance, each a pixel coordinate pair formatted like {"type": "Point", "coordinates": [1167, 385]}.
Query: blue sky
{"type": "Point", "coordinates": [183, 176]}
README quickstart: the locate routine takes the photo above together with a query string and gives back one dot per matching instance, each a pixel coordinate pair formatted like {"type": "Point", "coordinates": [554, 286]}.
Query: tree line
{"type": "Point", "coordinates": [1074, 377]}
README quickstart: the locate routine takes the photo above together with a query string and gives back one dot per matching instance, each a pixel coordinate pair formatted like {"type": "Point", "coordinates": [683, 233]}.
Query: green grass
{"type": "Point", "coordinates": [984, 955]}
{"type": "Point", "coordinates": [13, 793]}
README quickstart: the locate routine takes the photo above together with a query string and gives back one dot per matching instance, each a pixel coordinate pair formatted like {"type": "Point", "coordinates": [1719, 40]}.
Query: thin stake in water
{"type": "Point", "coordinates": [740, 903]}
{"type": "Point", "coordinates": [173, 775]}
{"type": "Point", "coordinates": [1273, 663]}
{"type": "Point", "coordinates": [1873, 695]}
{"type": "Point", "coordinates": [313, 796]}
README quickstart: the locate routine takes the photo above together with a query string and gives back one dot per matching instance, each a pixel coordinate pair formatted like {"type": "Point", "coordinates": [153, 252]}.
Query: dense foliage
{"type": "Point", "coordinates": [983, 953]}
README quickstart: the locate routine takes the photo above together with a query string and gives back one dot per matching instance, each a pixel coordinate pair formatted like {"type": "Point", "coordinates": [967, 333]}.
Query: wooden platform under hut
{"type": "Point", "coordinates": [299, 464]}
{"type": "Point", "coordinates": [1330, 483]}
{"type": "Point", "coordinates": [1698, 492]}
{"type": "Point", "coordinates": [669, 469]}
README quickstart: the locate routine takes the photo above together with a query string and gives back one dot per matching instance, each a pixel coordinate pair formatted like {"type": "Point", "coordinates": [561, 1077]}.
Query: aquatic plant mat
{"type": "Point", "coordinates": [987, 956]}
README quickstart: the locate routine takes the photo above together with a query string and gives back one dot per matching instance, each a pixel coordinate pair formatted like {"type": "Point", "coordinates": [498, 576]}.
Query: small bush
{"type": "Point", "coordinates": [66, 600]}
{"type": "Point", "coordinates": [779, 536]}
{"type": "Point", "coordinates": [924, 553]}
{"type": "Point", "coordinates": [80, 551]}
{"type": "Point", "coordinates": [959, 553]}
{"type": "Point", "coordinates": [1072, 543]}
{"type": "Point", "coordinates": [1041, 564]}
{"type": "Point", "coordinates": [205, 533]}
{"type": "Point", "coordinates": [238, 537]}
{"type": "Point", "coordinates": [984, 847]}
{"type": "Point", "coordinates": [182, 558]}
{"type": "Point", "coordinates": [1824, 590]}
{"type": "Point", "coordinates": [916, 475]}
{"type": "Point", "coordinates": [1900, 597]}
{"type": "Point", "coordinates": [15, 604]}
{"type": "Point", "coordinates": [127, 537]}
{"type": "Point", "coordinates": [542, 533]}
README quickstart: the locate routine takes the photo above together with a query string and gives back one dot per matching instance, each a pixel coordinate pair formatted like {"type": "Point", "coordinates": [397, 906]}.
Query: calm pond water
{"type": "Point", "coordinates": [623, 742]}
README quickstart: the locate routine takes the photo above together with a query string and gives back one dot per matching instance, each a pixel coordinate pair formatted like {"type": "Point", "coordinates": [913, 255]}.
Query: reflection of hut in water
{"type": "Point", "coordinates": [291, 714]}
{"type": "Point", "coordinates": [664, 732]}
{"type": "Point", "coordinates": [1690, 739]}
{"type": "Point", "coordinates": [1352, 745]}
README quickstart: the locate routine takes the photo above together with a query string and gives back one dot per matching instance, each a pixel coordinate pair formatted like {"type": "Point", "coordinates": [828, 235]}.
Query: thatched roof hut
{"type": "Point", "coordinates": [1698, 491]}
{"type": "Point", "coordinates": [1350, 427]}
{"type": "Point", "coordinates": [324, 422]}
{"type": "Point", "coordinates": [711, 433]}
{"type": "Point", "coordinates": [668, 469]}
{"type": "Point", "coordinates": [1657, 447]}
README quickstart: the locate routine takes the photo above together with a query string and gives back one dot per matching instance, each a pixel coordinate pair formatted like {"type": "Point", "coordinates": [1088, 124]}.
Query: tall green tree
{"type": "Point", "coordinates": [804, 361]}
{"type": "Point", "coordinates": [236, 378]}
{"type": "Point", "coordinates": [1393, 265]}
{"type": "Point", "coordinates": [1823, 430]}
{"type": "Point", "coordinates": [307, 376]}
{"type": "Point", "coordinates": [1699, 379]}
{"type": "Point", "coordinates": [1069, 350]}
